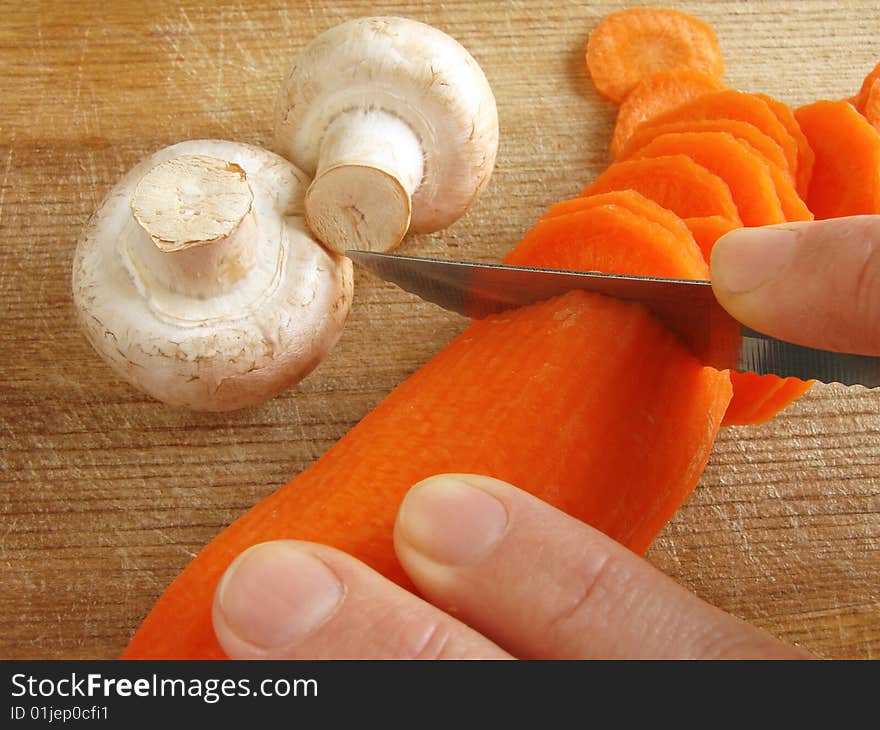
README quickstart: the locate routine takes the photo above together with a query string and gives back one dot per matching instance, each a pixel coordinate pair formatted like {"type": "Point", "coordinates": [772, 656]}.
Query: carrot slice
{"type": "Point", "coordinates": [805, 157]}
{"type": "Point", "coordinates": [744, 107]}
{"type": "Point", "coordinates": [787, 393]}
{"type": "Point", "coordinates": [872, 106]}
{"type": "Point", "coordinates": [674, 181]}
{"type": "Point", "coordinates": [793, 207]}
{"type": "Point", "coordinates": [631, 44]}
{"type": "Point", "coordinates": [846, 176]}
{"type": "Point", "coordinates": [750, 393]}
{"type": "Point", "coordinates": [861, 99]}
{"type": "Point", "coordinates": [631, 200]}
{"type": "Point", "coordinates": [768, 148]}
{"type": "Point", "coordinates": [707, 229]}
{"type": "Point", "coordinates": [746, 174]}
{"type": "Point", "coordinates": [640, 245]}
{"type": "Point", "coordinates": [656, 94]}
{"type": "Point", "coordinates": [631, 418]}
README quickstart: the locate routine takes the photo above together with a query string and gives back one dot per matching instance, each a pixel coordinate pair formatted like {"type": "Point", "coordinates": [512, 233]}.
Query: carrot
{"type": "Point", "coordinates": [846, 176]}
{"type": "Point", "coordinates": [641, 245]}
{"type": "Point", "coordinates": [872, 106]}
{"type": "Point", "coordinates": [750, 393]}
{"type": "Point", "coordinates": [588, 402]}
{"type": "Point", "coordinates": [746, 174]}
{"type": "Point", "coordinates": [861, 100]}
{"type": "Point", "coordinates": [752, 138]}
{"type": "Point", "coordinates": [768, 148]}
{"type": "Point", "coordinates": [756, 399]}
{"type": "Point", "coordinates": [631, 44]}
{"type": "Point", "coordinates": [707, 229]}
{"type": "Point", "coordinates": [674, 181]}
{"type": "Point", "coordinates": [739, 106]}
{"type": "Point", "coordinates": [631, 200]}
{"type": "Point", "coordinates": [754, 191]}
{"type": "Point", "coordinates": [788, 392]}
{"type": "Point", "coordinates": [656, 94]}
{"type": "Point", "coordinates": [805, 156]}
{"type": "Point", "coordinates": [793, 207]}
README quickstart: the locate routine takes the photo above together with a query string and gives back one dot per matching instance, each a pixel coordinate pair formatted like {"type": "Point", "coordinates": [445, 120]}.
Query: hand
{"type": "Point", "coordinates": [504, 575]}
{"type": "Point", "coordinates": [814, 283]}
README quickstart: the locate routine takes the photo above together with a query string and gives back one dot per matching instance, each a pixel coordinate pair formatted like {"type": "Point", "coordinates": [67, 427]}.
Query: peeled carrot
{"type": "Point", "coordinates": [656, 94]}
{"type": "Point", "coordinates": [805, 156]}
{"type": "Point", "coordinates": [729, 104]}
{"type": "Point", "coordinates": [846, 175]}
{"type": "Point", "coordinates": [768, 148]}
{"type": "Point", "coordinates": [746, 174]}
{"type": "Point", "coordinates": [631, 44]}
{"type": "Point", "coordinates": [674, 181]}
{"type": "Point", "coordinates": [588, 402]}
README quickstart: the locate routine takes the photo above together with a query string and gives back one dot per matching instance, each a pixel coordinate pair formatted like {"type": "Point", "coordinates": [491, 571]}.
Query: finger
{"type": "Point", "coordinates": [297, 600]}
{"type": "Point", "coordinates": [544, 585]}
{"type": "Point", "coordinates": [816, 283]}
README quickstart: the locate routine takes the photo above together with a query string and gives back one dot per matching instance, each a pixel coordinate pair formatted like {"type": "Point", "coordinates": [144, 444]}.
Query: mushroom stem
{"type": "Point", "coordinates": [370, 164]}
{"type": "Point", "coordinates": [201, 232]}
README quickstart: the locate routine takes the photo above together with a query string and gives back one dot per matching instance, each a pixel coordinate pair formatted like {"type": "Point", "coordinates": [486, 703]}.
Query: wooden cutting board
{"type": "Point", "coordinates": [106, 494]}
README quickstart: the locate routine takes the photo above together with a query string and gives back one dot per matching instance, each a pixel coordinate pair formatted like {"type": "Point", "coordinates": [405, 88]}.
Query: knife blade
{"type": "Point", "coordinates": [688, 307]}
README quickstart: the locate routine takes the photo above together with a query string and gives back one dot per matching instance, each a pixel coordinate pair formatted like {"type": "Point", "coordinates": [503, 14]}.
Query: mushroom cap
{"type": "Point", "coordinates": [411, 70]}
{"type": "Point", "coordinates": [231, 350]}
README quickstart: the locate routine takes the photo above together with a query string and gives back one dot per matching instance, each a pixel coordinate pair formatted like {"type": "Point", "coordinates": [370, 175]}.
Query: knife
{"type": "Point", "coordinates": [687, 307]}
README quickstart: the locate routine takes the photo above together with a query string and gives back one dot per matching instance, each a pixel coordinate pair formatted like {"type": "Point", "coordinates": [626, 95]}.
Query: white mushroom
{"type": "Point", "coordinates": [397, 124]}
{"type": "Point", "coordinates": [199, 282]}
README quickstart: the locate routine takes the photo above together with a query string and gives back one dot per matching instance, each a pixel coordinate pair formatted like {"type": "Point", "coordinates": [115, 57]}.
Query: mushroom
{"type": "Point", "coordinates": [396, 123]}
{"type": "Point", "coordinates": [199, 282]}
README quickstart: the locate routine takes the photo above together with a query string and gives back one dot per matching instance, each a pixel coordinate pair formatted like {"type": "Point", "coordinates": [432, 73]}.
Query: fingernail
{"type": "Point", "coordinates": [451, 521]}
{"type": "Point", "coordinates": [746, 259]}
{"type": "Point", "coordinates": [275, 594]}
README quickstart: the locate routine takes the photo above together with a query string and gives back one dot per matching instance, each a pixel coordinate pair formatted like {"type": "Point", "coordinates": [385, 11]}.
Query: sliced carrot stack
{"type": "Point", "coordinates": [846, 176]}
{"type": "Point", "coordinates": [745, 173]}
{"type": "Point", "coordinates": [805, 156]}
{"type": "Point", "coordinates": [656, 94]}
{"type": "Point", "coordinates": [641, 245]}
{"type": "Point", "coordinates": [631, 200]}
{"type": "Point", "coordinates": [629, 45]}
{"type": "Point", "coordinates": [768, 148]}
{"type": "Point", "coordinates": [674, 181]}
{"type": "Point", "coordinates": [740, 106]}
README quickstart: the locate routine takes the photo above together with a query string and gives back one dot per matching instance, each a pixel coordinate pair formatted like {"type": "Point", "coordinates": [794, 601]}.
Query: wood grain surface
{"type": "Point", "coordinates": [106, 494]}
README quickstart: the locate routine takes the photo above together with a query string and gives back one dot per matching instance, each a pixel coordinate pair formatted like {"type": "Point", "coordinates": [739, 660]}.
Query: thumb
{"type": "Point", "coordinates": [816, 283]}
